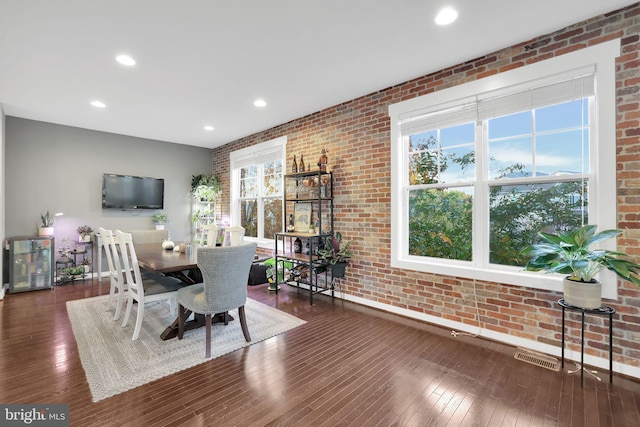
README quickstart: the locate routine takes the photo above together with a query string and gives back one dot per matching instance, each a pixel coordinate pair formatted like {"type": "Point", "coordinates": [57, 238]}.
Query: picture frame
{"type": "Point", "coordinates": [302, 217]}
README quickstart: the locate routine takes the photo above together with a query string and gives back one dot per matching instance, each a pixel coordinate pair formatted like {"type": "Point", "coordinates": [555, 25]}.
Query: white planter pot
{"type": "Point", "coordinates": [159, 226]}
{"type": "Point", "coordinates": [45, 231]}
{"type": "Point", "coordinates": [583, 295]}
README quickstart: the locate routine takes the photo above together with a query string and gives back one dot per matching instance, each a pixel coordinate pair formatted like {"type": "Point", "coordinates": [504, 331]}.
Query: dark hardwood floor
{"type": "Point", "coordinates": [348, 365]}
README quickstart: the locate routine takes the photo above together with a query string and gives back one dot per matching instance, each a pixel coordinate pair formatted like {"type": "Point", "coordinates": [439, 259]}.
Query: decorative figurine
{"type": "Point", "coordinates": [324, 160]}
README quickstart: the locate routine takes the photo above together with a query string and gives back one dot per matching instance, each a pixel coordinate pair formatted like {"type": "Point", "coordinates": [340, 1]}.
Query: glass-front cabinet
{"type": "Point", "coordinates": [30, 263]}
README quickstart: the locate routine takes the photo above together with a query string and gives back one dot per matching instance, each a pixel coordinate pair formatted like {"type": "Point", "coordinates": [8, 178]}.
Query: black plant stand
{"type": "Point", "coordinates": [603, 310]}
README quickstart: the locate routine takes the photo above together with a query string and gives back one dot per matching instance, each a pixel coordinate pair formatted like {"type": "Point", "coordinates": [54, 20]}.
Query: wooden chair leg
{"type": "Point", "coordinates": [225, 316]}
{"type": "Point", "coordinates": [208, 339]}
{"type": "Point", "coordinates": [180, 321]}
{"type": "Point", "coordinates": [243, 323]}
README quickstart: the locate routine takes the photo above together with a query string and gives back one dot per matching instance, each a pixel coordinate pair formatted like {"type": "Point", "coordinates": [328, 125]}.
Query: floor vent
{"type": "Point", "coordinates": [538, 359]}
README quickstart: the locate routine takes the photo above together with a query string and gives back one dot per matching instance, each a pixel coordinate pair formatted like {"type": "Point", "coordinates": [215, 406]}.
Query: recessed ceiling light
{"type": "Point", "coordinates": [209, 128]}
{"type": "Point", "coordinates": [98, 104]}
{"type": "Point", "coordinates": [260, 103]}
{"type": "Point", "coordinates": [126, 60]}
{"type": "Point", "coordinates": [446, 16]}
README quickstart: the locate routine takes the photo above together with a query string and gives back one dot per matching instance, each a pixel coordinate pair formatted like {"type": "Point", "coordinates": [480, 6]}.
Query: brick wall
{"type": "Point", "coordinates": [357, 134]}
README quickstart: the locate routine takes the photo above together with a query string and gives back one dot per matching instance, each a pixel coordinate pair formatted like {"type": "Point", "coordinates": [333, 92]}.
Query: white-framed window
{"type": "Point", "coordinates": [256, 189]}
{"type": "Point", "coordinates": [478, 169]}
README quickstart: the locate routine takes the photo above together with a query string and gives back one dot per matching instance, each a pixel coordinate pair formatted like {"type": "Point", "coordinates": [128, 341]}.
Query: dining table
{"type": "Point", "coordinates": [182, 265]}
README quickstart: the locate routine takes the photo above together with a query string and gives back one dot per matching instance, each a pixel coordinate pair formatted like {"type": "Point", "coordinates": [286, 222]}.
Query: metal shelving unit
{"type": "Point", "coordinates": [298, 264]}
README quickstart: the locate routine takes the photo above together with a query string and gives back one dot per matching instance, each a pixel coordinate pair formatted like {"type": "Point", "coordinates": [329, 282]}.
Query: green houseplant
{"type": "Point", "coordinates": [46, 224]}
{"type": "Point", "coordinates": [205, 187]}
{"type": "Point", "coordinates": [336, 253]}
{"type": "Point", "coordinates": [85, 232]}
{"type": "Point", "coordinates": [570, 253]}
{"type": "Point", "coordinates": [159, 219]}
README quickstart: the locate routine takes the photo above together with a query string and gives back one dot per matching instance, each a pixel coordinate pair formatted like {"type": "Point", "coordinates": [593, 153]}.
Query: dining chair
{"type": "Point", "coordinates": [152, 289]}
{"type": "Point", "coordinates": [225, 270]}
{"type": "Point", "coordinates": [233, 236]}
{"type": "Point", "coordinates": [210, 231]}
{"type": "Point", "coordinates": [116, 275]}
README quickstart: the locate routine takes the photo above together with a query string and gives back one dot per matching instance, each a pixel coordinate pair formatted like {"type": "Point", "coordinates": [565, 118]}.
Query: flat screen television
{"type": "Point", "coordinates": [132, 192]}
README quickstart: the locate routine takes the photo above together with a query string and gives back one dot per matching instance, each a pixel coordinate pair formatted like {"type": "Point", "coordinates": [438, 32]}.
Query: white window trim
{"type": "Point", "coordinates": [603, 165]}
{"type": "Point", "coordinates": [250, 154]}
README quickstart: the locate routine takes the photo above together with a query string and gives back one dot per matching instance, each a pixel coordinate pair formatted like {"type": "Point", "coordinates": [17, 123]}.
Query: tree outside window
{"type": "Point", "coordinates": [537, 178]}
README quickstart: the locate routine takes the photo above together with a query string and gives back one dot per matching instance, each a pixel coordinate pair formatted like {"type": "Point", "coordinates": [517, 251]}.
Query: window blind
{"type": "Point", "coordinates": [569, 86]}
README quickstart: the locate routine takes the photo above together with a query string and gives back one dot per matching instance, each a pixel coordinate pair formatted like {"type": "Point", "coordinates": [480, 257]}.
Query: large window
{"type": "Point", "coordinates": [256, 189]}
{"type": "Point", "coordinates": [478, 170]}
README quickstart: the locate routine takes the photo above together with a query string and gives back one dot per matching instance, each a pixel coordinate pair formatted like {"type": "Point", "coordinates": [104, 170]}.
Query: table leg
{"type": "Point", "coordinates": [562, 337]}
{"type": "Point", "coordinates": [611, 348]}
{"type": "Point", "coordinates": [582, 353]}
{"type": "Point", "coordinates": [199, 321]}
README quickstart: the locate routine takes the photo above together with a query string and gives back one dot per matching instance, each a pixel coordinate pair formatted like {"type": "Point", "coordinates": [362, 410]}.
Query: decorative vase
{"type": "Point", "coordinates": [45, 231]}
{"type": "Point", "coordinates": [583, 294]}
{"type": "Point", "coordinates": [85, 238]}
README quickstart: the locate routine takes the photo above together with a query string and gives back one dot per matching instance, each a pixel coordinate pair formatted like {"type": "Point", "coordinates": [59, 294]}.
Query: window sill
{"type": "Point", "coordinates": [262, 243]}
{"type": "Point", "coordinates": [508, 275]}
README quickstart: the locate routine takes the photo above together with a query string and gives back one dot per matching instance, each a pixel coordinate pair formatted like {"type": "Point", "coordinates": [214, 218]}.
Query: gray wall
{"type": "Point", "coordinates": [2, 191]}
{"type": "Point", "coordinates": [59, 168]}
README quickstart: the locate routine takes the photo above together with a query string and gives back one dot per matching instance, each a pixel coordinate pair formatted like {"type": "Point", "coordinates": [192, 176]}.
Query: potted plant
{"type": "Point", "coordinates": [569, 253]}
{"type": "Point", "coordinates": [159, 219]}
{"type": "Point", "coordinates": [85, 233]}
{"type": "Point", "coordinates": [46, 225]}
{"type": "Point", "coordinates": [270, 272]}
{"type": "Point", "coordinates": [205, 187]}
{"type": "Point", "coordinates": [336, 254]}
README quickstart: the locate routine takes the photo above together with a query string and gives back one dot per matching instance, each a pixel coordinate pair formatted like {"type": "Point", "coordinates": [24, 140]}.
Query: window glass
{"type": "Point", "coordinates": [562, 152]}
{"type": "Point", "coordinates": [249, 217]}
{"type": "Point", "coordinates": [511, 125]}
{"type": "Point", "coordinates": [440, 223]}
{"type": "Point", "coordinates": [272, 179]}
{"type": "Point", "coordinates": [249, 181]}
{"type": "Point", "coordinates": [510, 158]}
{"type": "Point", "coordinates": [562, 116]}
{"type": "Point", "coordinates": [272, 217]}
{"type": "Point", "coordinates": [440, 218]}
{"type": "Point", "coordinates": [257, 189]}
{"type": "Point", "coordinates": [518, 212]}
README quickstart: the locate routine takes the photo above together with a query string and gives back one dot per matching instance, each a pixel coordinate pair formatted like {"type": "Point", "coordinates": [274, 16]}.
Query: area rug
{"type": "Point", "coordinates": [113, 363]}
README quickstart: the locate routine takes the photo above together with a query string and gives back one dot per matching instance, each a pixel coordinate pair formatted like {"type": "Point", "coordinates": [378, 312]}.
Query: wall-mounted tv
{"type": "Point", "coordinates": [132, 192]}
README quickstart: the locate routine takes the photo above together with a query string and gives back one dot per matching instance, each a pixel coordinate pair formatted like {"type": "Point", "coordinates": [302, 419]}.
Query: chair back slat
{"type": "Point", "coordinates": [233, 236]}
{"type": "Point", "coordinates": [210, 232]}
{"type": "Point", "coordinates": [116, 276]}
{"type": "Point", "coordinates": [131, 266]}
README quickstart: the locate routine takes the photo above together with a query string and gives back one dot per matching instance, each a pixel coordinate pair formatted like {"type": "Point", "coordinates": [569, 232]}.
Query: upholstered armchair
{"type": "Point", "coordinates": [225, 270]}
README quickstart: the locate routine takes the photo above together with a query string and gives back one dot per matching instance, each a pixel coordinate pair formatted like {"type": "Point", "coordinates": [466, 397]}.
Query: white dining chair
{"type": "Point", "coordinates": [210, 232]}
{"type": "Point", "coordinates": [117, 287]}
{"type": "Point", "coordinates": [154, 288]}
{"type": "Point", "coordinates": [233, 236]}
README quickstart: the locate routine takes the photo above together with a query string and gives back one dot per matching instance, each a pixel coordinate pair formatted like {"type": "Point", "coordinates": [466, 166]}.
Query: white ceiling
{"type": "Point", "coordinates": [205, 61]}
